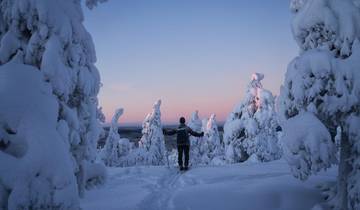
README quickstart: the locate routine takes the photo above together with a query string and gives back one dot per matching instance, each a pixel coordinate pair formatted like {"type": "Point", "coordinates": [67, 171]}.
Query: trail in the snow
{"type": "Point", "coordinates": [263, 186]}
{"type": "Point", "coordinates": [161, 195]}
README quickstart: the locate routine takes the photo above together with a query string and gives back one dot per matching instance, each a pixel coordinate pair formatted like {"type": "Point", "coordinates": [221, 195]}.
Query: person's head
{"type": "Point", "coordinates": [182, 120]}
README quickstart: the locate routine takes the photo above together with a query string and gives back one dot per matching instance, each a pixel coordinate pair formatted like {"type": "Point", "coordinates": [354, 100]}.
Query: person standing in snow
{"type": "Point", "coordinates": [183, 143]}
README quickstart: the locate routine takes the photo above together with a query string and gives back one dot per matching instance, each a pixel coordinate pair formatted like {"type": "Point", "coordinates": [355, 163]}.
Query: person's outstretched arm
{"type": "Point", "coordinates": [169, 133]}
{"type": "Point", "coordinates": [196, 134]}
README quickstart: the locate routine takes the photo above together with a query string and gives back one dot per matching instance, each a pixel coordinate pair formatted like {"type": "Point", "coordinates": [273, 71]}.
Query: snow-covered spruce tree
{"type": "Point", "coordinates": [195, 153]}
{"type": "Point", "coordinates": [322, 88]}
{"type": "Point", "coordinates": [203, 146]}
{"type": "Point", "coordinates": [211, 147]}
{"type": "Point", "coordinates": [152, 144]}
{"type": "Point", "coordinates": [36, 170]}
{"type": "Point", "coordinates": [251, 128]}
{"type": "Point", "coordinates": [110, 153]}
{"type": "Point", "coordinates": [267, 137]}
{"type": "Point", "coordinates": [116, 149]}
{"type": "Point", "coordinates": [49, 37]}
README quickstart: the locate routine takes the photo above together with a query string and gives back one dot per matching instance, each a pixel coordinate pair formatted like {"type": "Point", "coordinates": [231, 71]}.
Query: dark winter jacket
{"type": "Point", "coordinates": [183, 132]}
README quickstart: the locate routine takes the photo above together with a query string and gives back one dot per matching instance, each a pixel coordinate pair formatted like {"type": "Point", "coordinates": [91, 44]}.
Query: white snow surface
{"type": "Point", "coordinates": [242, 186]}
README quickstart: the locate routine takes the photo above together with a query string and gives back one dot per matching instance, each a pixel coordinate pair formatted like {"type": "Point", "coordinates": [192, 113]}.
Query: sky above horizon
{"type": "Point", "coordinates": [193, 55]}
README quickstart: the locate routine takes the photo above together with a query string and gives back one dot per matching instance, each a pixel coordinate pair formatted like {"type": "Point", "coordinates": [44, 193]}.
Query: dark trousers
{"type": "Point", "coordinates": [183, 149]}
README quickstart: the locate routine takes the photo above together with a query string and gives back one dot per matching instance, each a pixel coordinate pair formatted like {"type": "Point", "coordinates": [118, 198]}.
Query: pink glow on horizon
{"type": "Point", "coordinates": [169, 113]}
{"type": "Point", "coordinates": [219, 100]}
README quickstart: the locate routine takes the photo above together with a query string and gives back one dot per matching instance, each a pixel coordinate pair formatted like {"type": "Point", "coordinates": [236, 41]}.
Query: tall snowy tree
{"type": "Point", "coordinates": [36, 170]}
{"type": "Point", "coordinates": [322, 88]}
{"type": "Point", "coordinates": [195, 142]}
{"type": "Point", "coordinates": [48, 37]}
{"type": "Point", "coordinates": [251, 127]}
{"type": "Point", "coordinates": [116, 149]}
{"type": "Point", "coordinates": [211, 146]}
{"type": "Point", "coordinates": [152, 142]}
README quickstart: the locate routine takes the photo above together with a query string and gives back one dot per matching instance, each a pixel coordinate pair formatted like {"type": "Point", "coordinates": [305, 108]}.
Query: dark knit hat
{"type": "Point", "coordinates": [182, 120]}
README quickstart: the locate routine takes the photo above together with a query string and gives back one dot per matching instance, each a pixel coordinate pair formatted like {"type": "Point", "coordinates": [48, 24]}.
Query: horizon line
{"type": "Point", "coordinates": [139, 124]}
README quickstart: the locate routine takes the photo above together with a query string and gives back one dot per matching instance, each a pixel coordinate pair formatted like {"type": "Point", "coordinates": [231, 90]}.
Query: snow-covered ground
{"type": "Point", "coordinates": [239, 186]}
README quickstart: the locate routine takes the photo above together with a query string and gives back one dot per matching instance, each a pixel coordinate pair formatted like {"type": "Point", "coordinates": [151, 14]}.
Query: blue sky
{"type": "Point", "coordinates": [193, 54]}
